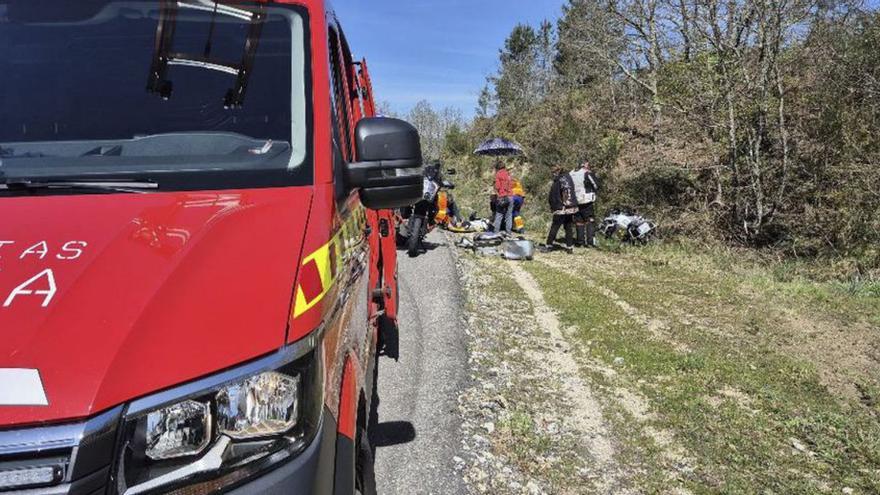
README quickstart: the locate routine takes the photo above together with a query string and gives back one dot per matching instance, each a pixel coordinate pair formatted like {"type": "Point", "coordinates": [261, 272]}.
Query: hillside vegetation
{"type": "Point", "coordinates": [734, 123]}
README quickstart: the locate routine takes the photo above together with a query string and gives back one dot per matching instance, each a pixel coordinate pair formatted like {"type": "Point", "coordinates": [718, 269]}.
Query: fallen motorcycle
{"type": "Point", "coordinates": [629, 227]}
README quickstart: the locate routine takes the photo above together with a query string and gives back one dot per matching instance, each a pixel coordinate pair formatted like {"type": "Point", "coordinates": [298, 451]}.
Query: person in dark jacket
{"type": "Point", "coordinates": [563, 205]}
{"type": "Point", "coordinates": [586, 186]}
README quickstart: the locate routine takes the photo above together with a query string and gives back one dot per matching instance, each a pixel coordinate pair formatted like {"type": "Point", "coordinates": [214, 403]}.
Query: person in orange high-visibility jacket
{"type": "Point", "coordinates": [519, 198]}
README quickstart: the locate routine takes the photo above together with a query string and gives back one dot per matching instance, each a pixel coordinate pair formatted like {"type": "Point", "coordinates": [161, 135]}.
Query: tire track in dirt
{"type": "Point", "coordinates": [586, 415]}
{"type": "Point", "coordinates": [634, 403]}
{"type": "Point", "coordinates": [658, 328]}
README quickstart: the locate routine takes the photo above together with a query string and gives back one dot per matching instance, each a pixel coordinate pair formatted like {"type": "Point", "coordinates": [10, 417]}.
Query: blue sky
{"type": "Point", "coordinates": [437, 50]}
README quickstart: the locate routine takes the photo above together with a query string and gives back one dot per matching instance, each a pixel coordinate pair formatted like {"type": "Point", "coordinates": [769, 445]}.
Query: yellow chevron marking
{"type": "Point", "coordinates": [340, 243]}
{"type": "Point", "coordinates": [321, 259]}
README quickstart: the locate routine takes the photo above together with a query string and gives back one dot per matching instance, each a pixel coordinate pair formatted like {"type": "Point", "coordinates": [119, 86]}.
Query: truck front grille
{"type": "Point", "coordinates": [67, 459]}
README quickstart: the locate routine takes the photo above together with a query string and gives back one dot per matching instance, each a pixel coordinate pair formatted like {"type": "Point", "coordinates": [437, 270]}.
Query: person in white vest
{"type": "Point", "coordinates": [586, 187]}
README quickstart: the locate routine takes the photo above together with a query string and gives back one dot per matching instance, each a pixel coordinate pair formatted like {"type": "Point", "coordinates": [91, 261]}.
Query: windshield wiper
{"type": "Point", "coordinates": [140, 187]}
{"type": "Point", "coordinates": [10, 153]}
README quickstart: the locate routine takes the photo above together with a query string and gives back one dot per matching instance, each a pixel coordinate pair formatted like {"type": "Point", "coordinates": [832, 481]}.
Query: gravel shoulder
{"type": "Point", "coordinates": [532, 423]}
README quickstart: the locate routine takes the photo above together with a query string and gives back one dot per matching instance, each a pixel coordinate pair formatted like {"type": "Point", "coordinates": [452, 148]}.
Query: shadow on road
{"type": "Point", "coordinates": [426, 247]}
{"type": "Point", "coordinates": [389, 433]}
{"type": "Point", "coordinates": [392, 433]}
{"type": "Point", "coordinates": [389, 339]}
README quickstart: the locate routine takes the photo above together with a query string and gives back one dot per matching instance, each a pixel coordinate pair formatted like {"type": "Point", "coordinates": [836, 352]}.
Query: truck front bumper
{"type": "Point", "coordinates": [311, 472]}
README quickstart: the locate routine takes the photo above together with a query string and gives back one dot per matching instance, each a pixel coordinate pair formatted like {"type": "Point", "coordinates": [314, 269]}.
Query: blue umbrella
{"type": "Point", "coordinates": [498, 147]}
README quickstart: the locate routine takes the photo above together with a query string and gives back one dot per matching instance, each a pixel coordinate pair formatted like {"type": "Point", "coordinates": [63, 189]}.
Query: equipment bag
{"type": "Point", "coordinates": [488, 239]}
{"type": "Point", "coordinates": [518, 249]}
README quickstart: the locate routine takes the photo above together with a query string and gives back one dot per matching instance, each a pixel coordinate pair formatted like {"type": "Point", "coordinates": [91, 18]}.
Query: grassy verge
{"type": "Point", "coordinates": [750, 399]}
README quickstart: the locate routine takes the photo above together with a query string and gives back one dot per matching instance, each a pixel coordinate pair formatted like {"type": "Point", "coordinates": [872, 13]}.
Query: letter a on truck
{"type": "Point", "coordinates": [196, 247]}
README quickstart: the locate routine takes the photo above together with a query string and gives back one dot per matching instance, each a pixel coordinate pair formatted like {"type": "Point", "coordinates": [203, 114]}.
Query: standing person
{"type": "Point", "coordinates": [586, 186]}
{"type": "Point", "coordinates": [519, 199]}
{"type": "Point", "coordinates": [504, 202]}
{"type": "Point", "coordinates": [563, 204]}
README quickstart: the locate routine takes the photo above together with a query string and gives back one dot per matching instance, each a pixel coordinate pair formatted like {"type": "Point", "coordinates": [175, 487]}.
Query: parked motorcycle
{"type": "Point", "coordinates": [435, 208]}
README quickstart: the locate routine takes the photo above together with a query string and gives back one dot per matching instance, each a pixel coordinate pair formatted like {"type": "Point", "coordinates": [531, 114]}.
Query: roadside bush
{"type": "Point", "coordinates": [657, 186]}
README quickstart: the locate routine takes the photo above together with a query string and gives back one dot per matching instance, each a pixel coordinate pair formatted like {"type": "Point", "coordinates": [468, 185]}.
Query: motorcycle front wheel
{"type": "Point", "coordinates": [413, 242]}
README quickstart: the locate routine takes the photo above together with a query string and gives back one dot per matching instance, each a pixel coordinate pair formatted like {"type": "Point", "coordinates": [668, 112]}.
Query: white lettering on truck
{"type": "Point", "coordinates": [71, 250]}
{"type": "Point", "coordinates": [26, 288]}
{"type": "Point", "coordinates": [43, 284]}
{"type": "Point", "coordinates": [40, 249]}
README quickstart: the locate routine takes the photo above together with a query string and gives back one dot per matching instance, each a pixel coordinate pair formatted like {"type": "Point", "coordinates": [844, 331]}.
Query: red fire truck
{"type": "Point", "coordinates": [195, 247]}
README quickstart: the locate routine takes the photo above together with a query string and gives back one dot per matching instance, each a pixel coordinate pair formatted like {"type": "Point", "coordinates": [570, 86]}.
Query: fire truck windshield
{"type": "Point", "coordinates": [191, 94]}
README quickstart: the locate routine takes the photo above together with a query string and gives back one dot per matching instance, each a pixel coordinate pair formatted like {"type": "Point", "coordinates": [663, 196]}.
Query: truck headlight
{"type": "Point", "coordinates": [178, 430]}
{"type": "Point", "coordinates": [266, 404]}
{"type": "Point", "coordinates": [222, 430]}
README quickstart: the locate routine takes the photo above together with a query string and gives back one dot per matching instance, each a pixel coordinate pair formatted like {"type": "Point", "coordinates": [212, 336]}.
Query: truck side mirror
{"type": "Point", "coordinates": [389, 167]}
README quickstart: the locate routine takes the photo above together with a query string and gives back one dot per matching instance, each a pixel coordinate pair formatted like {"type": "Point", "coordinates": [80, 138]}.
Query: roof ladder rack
{"type": "Point", "coordinates": [165, 57]}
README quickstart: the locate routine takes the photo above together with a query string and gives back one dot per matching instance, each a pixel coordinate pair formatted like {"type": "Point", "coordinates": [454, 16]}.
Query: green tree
{"type": "Point", "coordinates": [515, 87]}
